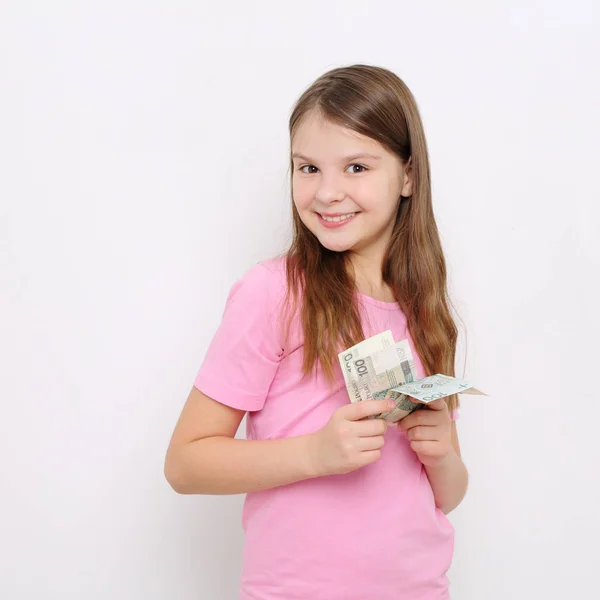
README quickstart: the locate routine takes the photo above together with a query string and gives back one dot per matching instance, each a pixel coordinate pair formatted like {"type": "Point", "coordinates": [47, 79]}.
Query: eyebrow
{"type": "Point", "coordinates": [344, 159]}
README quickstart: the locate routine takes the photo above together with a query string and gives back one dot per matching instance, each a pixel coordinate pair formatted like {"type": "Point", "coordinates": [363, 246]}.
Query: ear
{"type": "Point", "coordinates": [407, 185]}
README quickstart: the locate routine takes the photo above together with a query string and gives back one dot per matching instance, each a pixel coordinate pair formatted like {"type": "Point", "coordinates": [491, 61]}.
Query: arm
{"type": "Point", "coordinates": [432, 435]}
{"type": "Point", "coordinates": [449, 478]}
{"type": "Point", "coordinates": [204, 458]}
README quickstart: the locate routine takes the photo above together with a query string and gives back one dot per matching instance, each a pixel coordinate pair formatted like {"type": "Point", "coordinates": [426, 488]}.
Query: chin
{"type": "Point", "coordinates": [332, 241]}
{"type": "Point", "coordinates": [335, 245]}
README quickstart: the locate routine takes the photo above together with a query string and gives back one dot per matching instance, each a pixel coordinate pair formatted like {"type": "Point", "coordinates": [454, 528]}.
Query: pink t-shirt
{"type": "Point", "coordinates": [372, 534]}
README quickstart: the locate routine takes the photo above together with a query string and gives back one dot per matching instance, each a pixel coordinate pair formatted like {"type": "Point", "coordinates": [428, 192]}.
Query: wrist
{"type": "Point", "coordinates": [312, 463]}
{"type": "Point", "coordinates": [444, 462]}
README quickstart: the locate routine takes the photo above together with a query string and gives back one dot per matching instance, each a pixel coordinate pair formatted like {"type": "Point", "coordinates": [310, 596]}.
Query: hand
{"type": "Point", "coordinates": [348, 443]}
{"type": "Point", "coordinates": [429, 432]}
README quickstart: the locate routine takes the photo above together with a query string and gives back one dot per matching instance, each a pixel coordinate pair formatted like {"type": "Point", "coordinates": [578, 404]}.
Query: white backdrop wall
{"type": "Point", "coordinates": [144, 168]}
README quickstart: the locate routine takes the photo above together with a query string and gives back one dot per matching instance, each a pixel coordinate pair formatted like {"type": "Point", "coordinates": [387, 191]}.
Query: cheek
{"type": "Point", "coordinates": [303, 197]}
{"type": "Point", "coordinates": [376, 197]}
{"type": "Point", "coordinates": [379, 211]}
{"type": "Point", "coordinates": [386, 207]}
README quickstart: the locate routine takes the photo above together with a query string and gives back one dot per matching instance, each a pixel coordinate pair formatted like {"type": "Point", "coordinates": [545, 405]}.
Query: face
{"type": "Point", "coordinates": [346, 187]}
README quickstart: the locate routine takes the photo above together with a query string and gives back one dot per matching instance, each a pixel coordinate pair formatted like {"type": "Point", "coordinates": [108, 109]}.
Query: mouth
{"type": "Point", "coordinates": [336, 219]}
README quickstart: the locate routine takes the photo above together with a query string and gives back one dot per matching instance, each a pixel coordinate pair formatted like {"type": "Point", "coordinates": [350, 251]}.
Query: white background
{"type": "Point", "coordinates": [144, 168]}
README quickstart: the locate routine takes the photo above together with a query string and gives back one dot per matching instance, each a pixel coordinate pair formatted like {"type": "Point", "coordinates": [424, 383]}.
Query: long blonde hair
{"type": "Point", "coordinates": [376, 103]}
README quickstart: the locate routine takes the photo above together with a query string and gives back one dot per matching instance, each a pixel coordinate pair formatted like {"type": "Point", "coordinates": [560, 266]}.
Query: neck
{"type": "Point", "coordinates": [367, 272]}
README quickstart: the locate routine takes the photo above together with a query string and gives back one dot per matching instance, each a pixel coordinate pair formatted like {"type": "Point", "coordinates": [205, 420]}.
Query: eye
{"type": "Point", "coordinates": [304, 167]}
{"type": "Point", "coordinates": [359, 166]}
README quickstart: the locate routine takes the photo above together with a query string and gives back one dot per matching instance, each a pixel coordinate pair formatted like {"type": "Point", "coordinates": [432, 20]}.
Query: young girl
{"type": "Point", "coordinates": [338, 506]}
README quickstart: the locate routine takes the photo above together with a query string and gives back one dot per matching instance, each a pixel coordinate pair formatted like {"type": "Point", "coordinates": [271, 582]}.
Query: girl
{"type": "Point", "coordinates": [338, 506]}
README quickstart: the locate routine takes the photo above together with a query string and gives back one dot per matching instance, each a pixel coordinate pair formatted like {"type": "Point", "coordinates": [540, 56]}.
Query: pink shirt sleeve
{"type": "Point", "coordinates": [245, 352]}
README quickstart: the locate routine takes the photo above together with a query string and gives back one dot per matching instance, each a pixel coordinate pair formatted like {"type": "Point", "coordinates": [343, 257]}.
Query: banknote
{"type": "Point", "coordinates": [404, 406]}
{"type": "Point", "coordinates": [352, 362]}
{"type": "Point", "coordinates": [379, 368]}
{"type": "Point", "coordinates": [430, 388]}
{"type": "Point", "coordinates": [391, 366]}
{"type": "Point", "coordinates": [376, 365]}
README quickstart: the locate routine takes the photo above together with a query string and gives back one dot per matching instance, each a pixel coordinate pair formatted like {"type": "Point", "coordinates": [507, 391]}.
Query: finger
{"type": "Point", "coordinates": [369, 427]}
{"type": "Point", "coordinates": [425, 447]}
{"type": "Point", "coordinates": [439, 404]}
{"type": "Point", "coordinates": [370, 456]}
{"type": "Point", "coordinates": [371, 443]}
{"type": "Point", "coordinates": [423, 433]}
{"type": "Point", "coordinates": [367, 408]}
{"type": "Point", "coordinates": [419, 417]}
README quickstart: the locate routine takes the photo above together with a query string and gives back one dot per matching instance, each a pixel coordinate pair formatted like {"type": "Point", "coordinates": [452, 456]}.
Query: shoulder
{"type": "Point", "coordinates": [245, 352]}
{"type": "Point", "coordinates": [276, 269]}
{"type": "Point", "coordinates": [262, 286]}
{"type": "Point", "coordinates": [264, 278]}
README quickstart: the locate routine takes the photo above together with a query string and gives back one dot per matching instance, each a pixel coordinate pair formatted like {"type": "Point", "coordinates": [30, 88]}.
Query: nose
{"type": "Point", "coordinates": [330, 190]}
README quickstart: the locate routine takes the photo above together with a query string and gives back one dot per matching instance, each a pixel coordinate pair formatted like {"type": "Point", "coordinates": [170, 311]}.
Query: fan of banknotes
{"type": "Point", "coordinates": [379, 368]}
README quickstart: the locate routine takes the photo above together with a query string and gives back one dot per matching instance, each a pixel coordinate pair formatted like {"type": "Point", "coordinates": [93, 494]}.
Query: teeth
{"type": "Point", "coordinates": [336, 219]}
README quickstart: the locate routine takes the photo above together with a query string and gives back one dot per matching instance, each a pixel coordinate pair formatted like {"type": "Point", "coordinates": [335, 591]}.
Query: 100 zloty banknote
{"type": "Point", "coordinates": [379, 368]}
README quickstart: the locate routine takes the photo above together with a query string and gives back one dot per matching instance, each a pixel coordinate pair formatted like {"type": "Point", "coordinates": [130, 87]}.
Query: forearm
{"type": "Point", "coordinates": [222, 465]}
{"type": "Point", "coordinates": [449, 482]}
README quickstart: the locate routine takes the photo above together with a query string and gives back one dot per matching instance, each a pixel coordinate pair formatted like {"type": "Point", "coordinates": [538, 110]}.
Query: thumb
{"type": "Point", "coordinates": [366, 408]}
{"type": "Point", "coordinates": [439, 404]}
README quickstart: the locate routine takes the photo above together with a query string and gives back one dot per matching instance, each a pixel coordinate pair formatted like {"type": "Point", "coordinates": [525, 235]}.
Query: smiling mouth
{"type": "Point", "coordinates": [337, 218]}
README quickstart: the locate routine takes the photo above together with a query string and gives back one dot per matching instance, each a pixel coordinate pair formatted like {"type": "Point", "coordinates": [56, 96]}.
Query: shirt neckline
{"type": "Point", "coordinates": [379, 303]}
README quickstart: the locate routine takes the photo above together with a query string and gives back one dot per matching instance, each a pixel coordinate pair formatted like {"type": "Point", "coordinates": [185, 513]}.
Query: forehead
{"type": "Point", "coordinates": [315, 135]}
